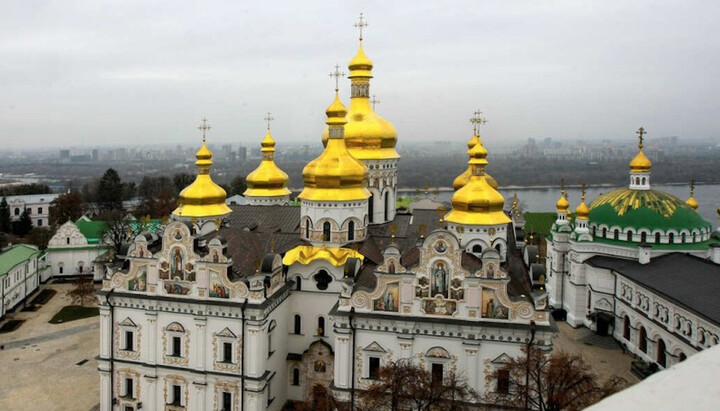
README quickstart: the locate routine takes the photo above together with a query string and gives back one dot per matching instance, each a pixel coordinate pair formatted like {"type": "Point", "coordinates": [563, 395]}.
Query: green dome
{"type": "Point", "coordinates": [651, 209]}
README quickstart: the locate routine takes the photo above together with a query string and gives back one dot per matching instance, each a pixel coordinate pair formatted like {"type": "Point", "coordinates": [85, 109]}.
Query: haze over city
{"type": "Point", "coordinates": [91, 73]}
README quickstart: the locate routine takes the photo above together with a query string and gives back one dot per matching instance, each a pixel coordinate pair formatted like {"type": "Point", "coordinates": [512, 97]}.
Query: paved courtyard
{"type": "Point", "coordinates": [40, 361]}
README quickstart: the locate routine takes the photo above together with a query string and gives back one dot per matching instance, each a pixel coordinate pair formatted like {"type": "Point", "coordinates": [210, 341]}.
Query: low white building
{"type": "Point", "coordinates": [38, 205]}
{"type": "Point", "coordinates": [18, 275]}
{"type": "Point", "coordinates": [74, 249]}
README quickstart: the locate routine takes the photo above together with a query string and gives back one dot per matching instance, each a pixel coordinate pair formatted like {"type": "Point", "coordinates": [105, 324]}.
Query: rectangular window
{"type": "Point", "coordinates": [226, 401]}
{"type": "Point", "coordinates": [176, 347]}
{"type": "Point", "coordinates": [129, 346]}
{"type": "Point", "coordinates": [503, 381]}
{"type": "Point", "coordinates": [129, 408]}
{"type": "Point", "coordinates": [39, 210]}
{"type": "Point", "coordinates": [60, 269]}
{"type": "Point", "coordinates": [437, 373]}
{"type": "Point", "coordinates": [129, 388]}
{"type": "Point", "coordinates": [176, 395]}
{"type": "Point", "coordinates": [227, 352]}
{"type": "Point", "coordinates": [374, 368]}
{"type": "Point", "coordinates": [39, 223]}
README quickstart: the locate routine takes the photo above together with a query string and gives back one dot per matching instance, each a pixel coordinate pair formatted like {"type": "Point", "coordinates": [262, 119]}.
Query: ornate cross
{"type": "Point", "coordinates": [374, 101]}
{"type": "Point", "coordinates": [337, 74]}
{"type": "Point", "coordinates": [269, 118]}
{"type": "Point", "coordinates": [361, 24]}
{"type": "Point", "coordinates": [204, 127]}
{"type": "Point", "coordinates": [641, 133]}
{"type": "Point", "coordinates": [476, 120]}
{"type": "Point", "coordinates": [582, 193]}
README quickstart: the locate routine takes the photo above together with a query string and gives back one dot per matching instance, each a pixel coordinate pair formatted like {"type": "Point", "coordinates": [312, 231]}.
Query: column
{"type": "Point", "coordinates": [342, 361]}
{"type": "Point", "coordinates": [471, 362]}
{"type": "Point", "coordinates": [253, 350]}
{"type": "Point", "coordinates": [151, 347]}
{"type": "Point", "coordinates": [105, 333]}
{"type": "Point", "coordinates": [200, 340]}
{"type": "Point", "coordinates": [200, 389]}
{"type": "Point", "coordinates": [105, 391]}
{"type": "Point", "coordinates": [150, 399]}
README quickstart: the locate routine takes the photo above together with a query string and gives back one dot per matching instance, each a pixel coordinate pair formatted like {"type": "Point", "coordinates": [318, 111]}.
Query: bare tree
{"type": "Point", "coordinates": [560, 381]}
{"type": "Point", "coordinates": [83, 292]}
{"type": "Point", "coordinates": [116, 231]}
{"type": "Point", "coordinates": [404, 385]}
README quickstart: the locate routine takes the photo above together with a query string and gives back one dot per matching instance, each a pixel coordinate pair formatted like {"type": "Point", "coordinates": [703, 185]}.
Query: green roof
{"type": "Point", "coordinates": [152, 226]}
{"type": "Point", "coordinates": [675, 247]}
{"type": "Point", "coordinates": [92, 230]}
{"type": "Point", "coordinates": [538, 223]}
{"type": "Point", "coordinates": [644, 209]}
{"type": "Point", "coordinates": [17, 254]}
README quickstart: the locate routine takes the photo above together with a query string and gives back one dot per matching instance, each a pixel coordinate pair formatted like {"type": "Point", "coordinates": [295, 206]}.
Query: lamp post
{"type": "Point", "coordinates": [533, 327]}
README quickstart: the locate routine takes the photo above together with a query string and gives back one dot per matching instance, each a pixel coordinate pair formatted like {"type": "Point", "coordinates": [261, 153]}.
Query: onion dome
{"type": "Point", "coordinates": [268, 180]}
{"type": "Point", "coordinates": [335, 175]}
{"type": "Point", "coordinates": [582, 211]}
{"type": "Point", "coordinates": [202, 198]}
{"type": "Point", "coordinates": [463, 178]}
{"type": "Point", "coordinates": [562, 205]}
{"type": "Point", "coordinates": [477, 203]}
{"type": "Point", "coordinates": [692, 202]}
{"type": "Point", "coordinates": [640, 164]}
{"type": "Point", "coordinates": [367, 135]}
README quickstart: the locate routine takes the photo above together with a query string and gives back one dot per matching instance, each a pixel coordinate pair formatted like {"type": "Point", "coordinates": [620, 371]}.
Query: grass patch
{"type": "Point", "coordinates": [10, 326]}
{"type": "Point", "coordinates": [73, 312]}
{"type": "Point", "coordinates": [44, 296]}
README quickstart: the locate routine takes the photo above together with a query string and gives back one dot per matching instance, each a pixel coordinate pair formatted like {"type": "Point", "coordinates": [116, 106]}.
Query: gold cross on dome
{"type": "Point", "coordinates": [692, 187]}
{"type": "Point", "coordinates": [582, 193]}
{"type": "Point", "coordinates": [361, 24]}
{"type": "Point", "coordinates": [641, 132]}
{"type": "Point", "coordinates": [562, 186]}
{"type": "Point", "coordinates": [204, 127]}
{"type": "Point", "coordinates": [374, 101]}
{"type": "Point", "coordinates": [476, 120]}
{"type": "Point", "coordinates": [269, 118]}
{"type": "Point", "coordinates": [337, 74]}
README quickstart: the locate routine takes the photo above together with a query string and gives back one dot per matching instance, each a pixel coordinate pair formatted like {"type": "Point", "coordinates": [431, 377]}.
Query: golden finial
{"type": "Point", "coordinates": [360, 25]}
{"type": "Point", "coordinates": [582, 193]}
{"type": "Point", "coordinates": [641, 132]}
{"type": "Point", "coordinates": [204, 127]}
{"type": "Point", "coordinates": [374, 101]}
{"type": "Point", "coordinates": [562, 186]}
{"type": "Point", "coordinates": [337, 74]}
{"type": "Point", "coordinates": [692, 187]}
{"type": "Point", "coordinates": [476, 120]}
{"type": "Point", "coordinates": [269, 118]}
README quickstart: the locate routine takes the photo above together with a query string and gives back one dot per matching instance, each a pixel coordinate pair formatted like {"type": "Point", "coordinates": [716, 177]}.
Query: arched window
{"type": "Point", "coordinates": [307, 228]}
{"type": "Point", "coordinates": [322, 279]}
{"type": "Point", "coordinates": [17, 211]}
{"type": "Point", "coordinates": [671, 238]}
{"type": "Point", "coordinates": [298, 283]}
{"type": "Point", "coordinates": [661, 356]}
{"type": "Point", "coordinates": [296, 376]}
{"type": "Point", "coordinates": [351, 230]}
{"type": "Point", "coordinates": [643, 180]}
{"type": "Point", "coordinates": [683, 237]}
{"type": "Point", "coordinates": [371, 207]}
{"type": "Point", "coordinates": [682, 357]}
{"type": "Point", "coordinates": [694, 237]}
{"type": "Point", "coordinates": [643, 237]}
{"type": "Point", "coordinates": [642, 342]}
{"type": "Point", "coordinates": [297, 324]}
{"type": "Point", "coordinates": [626, 328]}
{"type": "Point", "coordinates": [326, 231]}
{"type": "Point", "coordinates": [637, 180]}
{"type": "Point", "coordinates": [629, 235]}
{"type": "Point", "coordinates": [616, 234]}
{"type": "Point", "coordinates": [321, 326]}
{"type": "Point", "coordinates": [391, 267]}
{"type": "Point", "coordinates": [604, 232]}
{"type": "Point", "coordinates": [657, 238]}
{"type": "Point", "coordinates": [477, 248]}
{"type": "Point", "coordinates": [594, 231]}
{"type": "Point", "coordinates": [498, 248]}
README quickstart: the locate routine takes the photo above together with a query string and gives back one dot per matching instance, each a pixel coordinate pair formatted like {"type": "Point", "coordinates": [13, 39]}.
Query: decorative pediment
{"type": "Point", "coordinates": [226, 333]}
{"type": "Point", "coordinates": [502, 359]}
{"type": "Point", "coordinates": [437, 352]}
{"type": "Point", "coordinates": [127, 322]}
{"type": "Point", "coordinates": [374, 346]}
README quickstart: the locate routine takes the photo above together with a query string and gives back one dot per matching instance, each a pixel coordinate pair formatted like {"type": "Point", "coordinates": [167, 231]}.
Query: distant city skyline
{"type": "Point", "coordinates": [89, 74]}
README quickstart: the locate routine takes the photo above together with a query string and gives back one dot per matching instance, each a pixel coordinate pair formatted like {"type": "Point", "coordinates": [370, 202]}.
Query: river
{"type": "Point", "coordinates": [544, 198]}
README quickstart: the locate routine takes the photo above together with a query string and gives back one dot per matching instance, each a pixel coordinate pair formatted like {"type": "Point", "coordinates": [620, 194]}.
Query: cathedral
{"type": "Point", "coordinates": [638, 264]}
{"type": "Point", "coordinates": [247, 307]}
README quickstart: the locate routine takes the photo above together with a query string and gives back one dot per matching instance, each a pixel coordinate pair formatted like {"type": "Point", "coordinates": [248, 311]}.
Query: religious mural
{"type": "Point", "coordinates": [177, 287]}
{"type": "Point", "coordinates": [439, 306]}
{"type": "Point", "coordinates": [423, 288]}
{"type": "Point", "coordinates": [217, 289]}
{"type": "Point", "coordinates": [389, 299]}
{"type": "Point", "coordinates": [139, 283]}
{"type": "Point", "coordinates": [440, 277]}
{"type": "Point", "coordinates": [491, 307]}
{"type": "Point", "coordinates": [490, 270]}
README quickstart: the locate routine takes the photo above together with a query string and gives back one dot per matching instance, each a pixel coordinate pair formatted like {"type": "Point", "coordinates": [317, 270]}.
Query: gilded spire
{"type": "Point", "coordinates": [582, 211]}
{"type": "Point", "coordinates": [692, 202]}
{"type": "Point", "coordinates": [640, 164]}
{"type": "Point", "coordinates": [563, 205]}
{"type": "Point", "coordinates": [463, 178]}
{"type": "Point", "coordinates": [267, 180]}
{"type": "Point", "coordinates": [202, 198]}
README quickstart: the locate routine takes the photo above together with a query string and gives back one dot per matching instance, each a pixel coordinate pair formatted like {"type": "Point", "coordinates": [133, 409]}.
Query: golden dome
{"type": "Point", "coordinates": [463, 178]}
{"type": "Point", "coordinates": [367, 135]}
{"type": "Point", "coordinates": [563, 205]}
{"type": "Point", "coordinates": [335, 175]}
{"type": "Point", "coordinates": [477, 203]}
{"type": "Point", "coordinates": [582, 211]}
{"type": "Point", "coordinates": [268, 180]}
{"type": "Point", "coordinates": [202, 198]}
{"type": "Point", "coordinates": [640, 164]}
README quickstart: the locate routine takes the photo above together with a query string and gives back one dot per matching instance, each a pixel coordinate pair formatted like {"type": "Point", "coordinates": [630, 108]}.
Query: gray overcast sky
{"type": "Point", "coordinates": [123, 72]}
